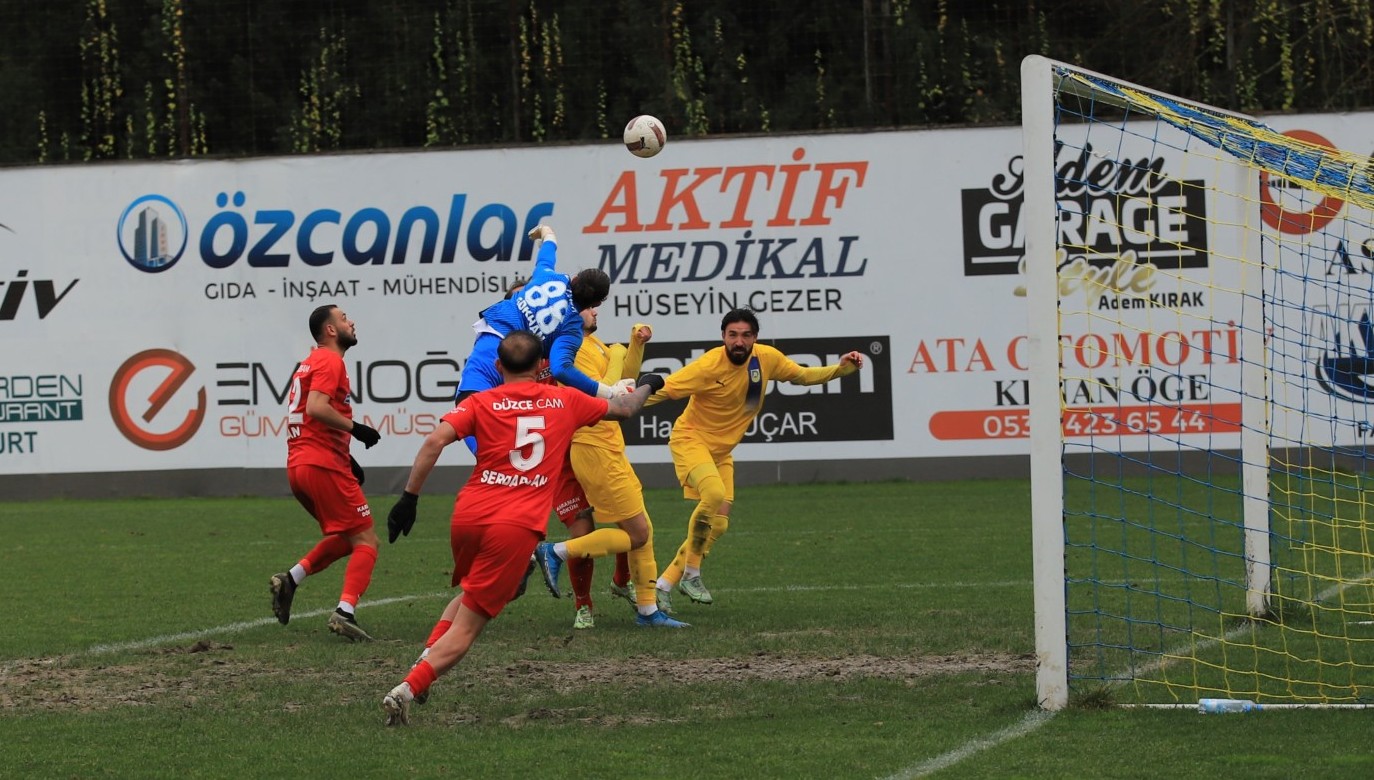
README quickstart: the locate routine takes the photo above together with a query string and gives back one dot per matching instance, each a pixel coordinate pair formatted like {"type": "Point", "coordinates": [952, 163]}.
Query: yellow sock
{"type": "Point", "coordinates": [689, 554]}
{"type": "Point", "coordinates": [643, 569]}
{"type": "Point", "coordinates": [719, 525]}
{"type": "Point", "coordinates": [711, 489]}
{"type": "Point", "coordinates": [673, 574]}
{"type": "Point", "coordinates": [698, 529]}
{"type": "Point", "coordinates": [599, 543]}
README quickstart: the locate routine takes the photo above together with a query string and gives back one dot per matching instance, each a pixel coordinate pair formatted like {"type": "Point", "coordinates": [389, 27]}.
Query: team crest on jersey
{"type": "Point", "coordinates": [753, 395]}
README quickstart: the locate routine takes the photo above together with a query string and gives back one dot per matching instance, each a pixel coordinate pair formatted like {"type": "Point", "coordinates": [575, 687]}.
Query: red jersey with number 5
{"type": "Point", "coordinates": [310, 442]}
{"type": "Point", "coordinates": [523, 431]}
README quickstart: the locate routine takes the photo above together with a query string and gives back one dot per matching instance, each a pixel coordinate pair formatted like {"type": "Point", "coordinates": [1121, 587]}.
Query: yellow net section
{"type": "Point", "coordinates": [1170, 261]}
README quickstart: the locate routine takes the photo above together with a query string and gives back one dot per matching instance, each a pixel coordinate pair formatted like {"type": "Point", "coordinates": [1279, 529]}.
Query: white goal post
{"type": "Point", "coordinates": [1202, 516]}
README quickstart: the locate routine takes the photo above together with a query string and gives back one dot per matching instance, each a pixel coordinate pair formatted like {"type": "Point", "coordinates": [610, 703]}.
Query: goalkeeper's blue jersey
{"type": "Point", "coordinates": [545, 306]}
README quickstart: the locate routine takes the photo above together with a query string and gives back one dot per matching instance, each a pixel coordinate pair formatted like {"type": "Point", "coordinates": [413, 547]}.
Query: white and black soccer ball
{"type": "Point", "coordinates": [645, 136]}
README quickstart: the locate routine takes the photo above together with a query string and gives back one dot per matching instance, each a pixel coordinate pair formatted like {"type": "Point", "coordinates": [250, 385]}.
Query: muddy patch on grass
{"type": "Point", "coordinates": [567, 677]}
{"type": "Point", "coordinates": [185, 676]}
{"type": "Point", "coordinates": [155, 678]}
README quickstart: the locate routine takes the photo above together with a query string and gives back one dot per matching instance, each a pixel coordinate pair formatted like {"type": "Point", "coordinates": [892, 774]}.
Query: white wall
{"type": "Point", "coordinates": [902, 245]}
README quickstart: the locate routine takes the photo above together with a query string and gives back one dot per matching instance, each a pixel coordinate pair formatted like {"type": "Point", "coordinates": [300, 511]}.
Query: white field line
{"type": "Point", "coordinates": [1031, 722]}
{"type": "Point", "coordinates": [1037, 718]}
{"type": "Point", "coordinates": [882, 586]}
{"type": "Point", "coordinates": [1028, 723]}
{"type": "Point", "coordinates": [233, 628]}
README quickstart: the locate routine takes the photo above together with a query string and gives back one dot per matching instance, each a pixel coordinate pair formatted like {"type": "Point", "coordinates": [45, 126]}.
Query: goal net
{"type": "Point", "coordinates": [1201, 330]}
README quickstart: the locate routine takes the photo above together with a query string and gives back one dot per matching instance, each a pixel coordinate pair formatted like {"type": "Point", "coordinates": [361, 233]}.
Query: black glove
{"type": "Point", "coordinates": [357, 470]}
{"type": "Point", "coordinates": [653, 380]}
{"type": "Point", "coordinates": [365, 434]}
{"type": "Point", "coordinates": [401, 518]}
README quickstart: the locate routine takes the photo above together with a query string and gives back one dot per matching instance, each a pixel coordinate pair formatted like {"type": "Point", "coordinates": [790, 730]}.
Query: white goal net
{"type": "Point", "coordinates": [1202, 335]}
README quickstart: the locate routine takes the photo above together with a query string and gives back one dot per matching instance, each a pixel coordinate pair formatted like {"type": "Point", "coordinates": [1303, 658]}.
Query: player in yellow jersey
{"type": "Point", "coordinates": [726, 388]}
{"type": "Point", "coordinates": [610, 485]}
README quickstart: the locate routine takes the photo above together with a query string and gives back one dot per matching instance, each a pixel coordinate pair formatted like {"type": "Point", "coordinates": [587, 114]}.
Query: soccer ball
{"type": "Point", "coordinates": [645, 136]}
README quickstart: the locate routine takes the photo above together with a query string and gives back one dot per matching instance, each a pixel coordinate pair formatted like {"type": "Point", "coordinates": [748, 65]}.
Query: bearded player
{"type": "Point", "coordinates": [324, 477]}
{"type": "Point", "coordinates": [726, 388]}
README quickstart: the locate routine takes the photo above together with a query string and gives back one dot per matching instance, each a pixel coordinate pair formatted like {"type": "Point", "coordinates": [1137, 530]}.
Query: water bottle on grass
{"type": "Point", "coordinates": [1215, 706]}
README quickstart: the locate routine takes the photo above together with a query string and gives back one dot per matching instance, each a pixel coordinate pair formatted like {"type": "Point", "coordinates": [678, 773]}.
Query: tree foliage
{"type": "Point", "coordinates": [95, 79]}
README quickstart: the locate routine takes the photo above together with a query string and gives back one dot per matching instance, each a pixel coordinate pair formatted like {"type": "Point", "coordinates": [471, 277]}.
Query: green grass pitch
{"type": "Point", "coordinates": [866, 630]}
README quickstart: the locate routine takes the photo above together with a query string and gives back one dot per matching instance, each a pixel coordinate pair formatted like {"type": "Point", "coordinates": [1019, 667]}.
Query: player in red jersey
{"type": "Point", "coordinates": [523, 429]}
{"type": "Point", "coordinates": [570, 504]}
{"type": "Point", "coordinates": [325, 479]}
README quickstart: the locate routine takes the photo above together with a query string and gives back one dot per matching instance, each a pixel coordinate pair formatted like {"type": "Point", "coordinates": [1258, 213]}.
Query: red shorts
{"type": "Point", "coordinates": [333, 498]}
{"type": "Point", "coordinates": [489, 561]}
{"type": "Point", "coordinates": [569, 499]}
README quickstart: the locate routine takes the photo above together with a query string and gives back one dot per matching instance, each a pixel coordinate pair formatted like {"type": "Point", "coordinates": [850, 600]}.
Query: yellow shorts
{"type": "Point", "coordinates": [610, 483]}
{"type": "Point", "coordinates": [689, 454]}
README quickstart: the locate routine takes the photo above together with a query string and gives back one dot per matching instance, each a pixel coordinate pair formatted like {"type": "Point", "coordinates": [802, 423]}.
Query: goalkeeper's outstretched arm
{"type": "Point", "coordinates": [817, 375]}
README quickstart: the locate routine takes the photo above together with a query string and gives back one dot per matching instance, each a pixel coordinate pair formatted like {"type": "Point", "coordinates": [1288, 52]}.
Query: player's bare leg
{"type": "Point", "coordinates": [443, 656]}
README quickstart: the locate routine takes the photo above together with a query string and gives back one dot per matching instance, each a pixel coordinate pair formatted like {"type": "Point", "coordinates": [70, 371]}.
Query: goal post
{"type": "Point", "coordinates": [1202, 498]}
{"type": "Point", "coordinates": [1042, 302]}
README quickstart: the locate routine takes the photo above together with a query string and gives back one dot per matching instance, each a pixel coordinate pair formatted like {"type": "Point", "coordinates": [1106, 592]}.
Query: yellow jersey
{"type": "Point", "coordinates": [725, 398]}
{"type": "Point", "coordinates": [608, 364]}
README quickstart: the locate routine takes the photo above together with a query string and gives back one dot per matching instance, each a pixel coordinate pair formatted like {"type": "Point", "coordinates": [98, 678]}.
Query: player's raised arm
{"type": "Point", "coordinates": [623, 361]}
{"type": "Point", "coordinates": [640, 335]}
{"type": "Point", "coordinates": [547, 256]}
{"type": "Point", "coordinates": [819, 375]}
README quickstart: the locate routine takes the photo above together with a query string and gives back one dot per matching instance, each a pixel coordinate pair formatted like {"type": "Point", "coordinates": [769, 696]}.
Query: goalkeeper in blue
{"type": "Point", "coordinates": [726, 387]}
{"type": "Point", "coordinates": [547, 305]}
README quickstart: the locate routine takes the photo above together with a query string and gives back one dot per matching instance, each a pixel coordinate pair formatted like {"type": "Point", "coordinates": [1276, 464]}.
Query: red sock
{"type": "Point", "coordinates": [329, 549]}
{"type": "Point", "coordinates": [358, 575]}
{"type": "Point", "coordinates": [622, 570]}
{"type": "Point", "coordinates": [440, 629]}
{"type": "Point", "coordinates": [580, 573]}
{"type": "Point", "coordinates": [421, 677]}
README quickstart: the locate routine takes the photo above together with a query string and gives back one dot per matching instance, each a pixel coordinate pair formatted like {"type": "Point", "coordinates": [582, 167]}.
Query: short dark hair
{"type": "Point", "coordinates": [319, 317]}
{"type": "Point", "coordinates": [590, 288]}
{"type": "Point", "coordinates": [516, 286]}
{"type": "Point", "coordinates": [520, 351]}
{"type": "Point", "coordinates": [740, 315]}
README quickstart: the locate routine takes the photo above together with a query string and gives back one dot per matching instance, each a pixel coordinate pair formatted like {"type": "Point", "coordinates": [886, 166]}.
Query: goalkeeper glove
{"type": "Point", "coordinates": [357, 470]}
{"type": "Point", "coordinates": [654, 381]}
{"type": "Point", "coordinates": [401, 518]}
{"type": "Point", "coordinates": [365, 434]}
{"type": "Point", "coordinates": [608, 392]}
